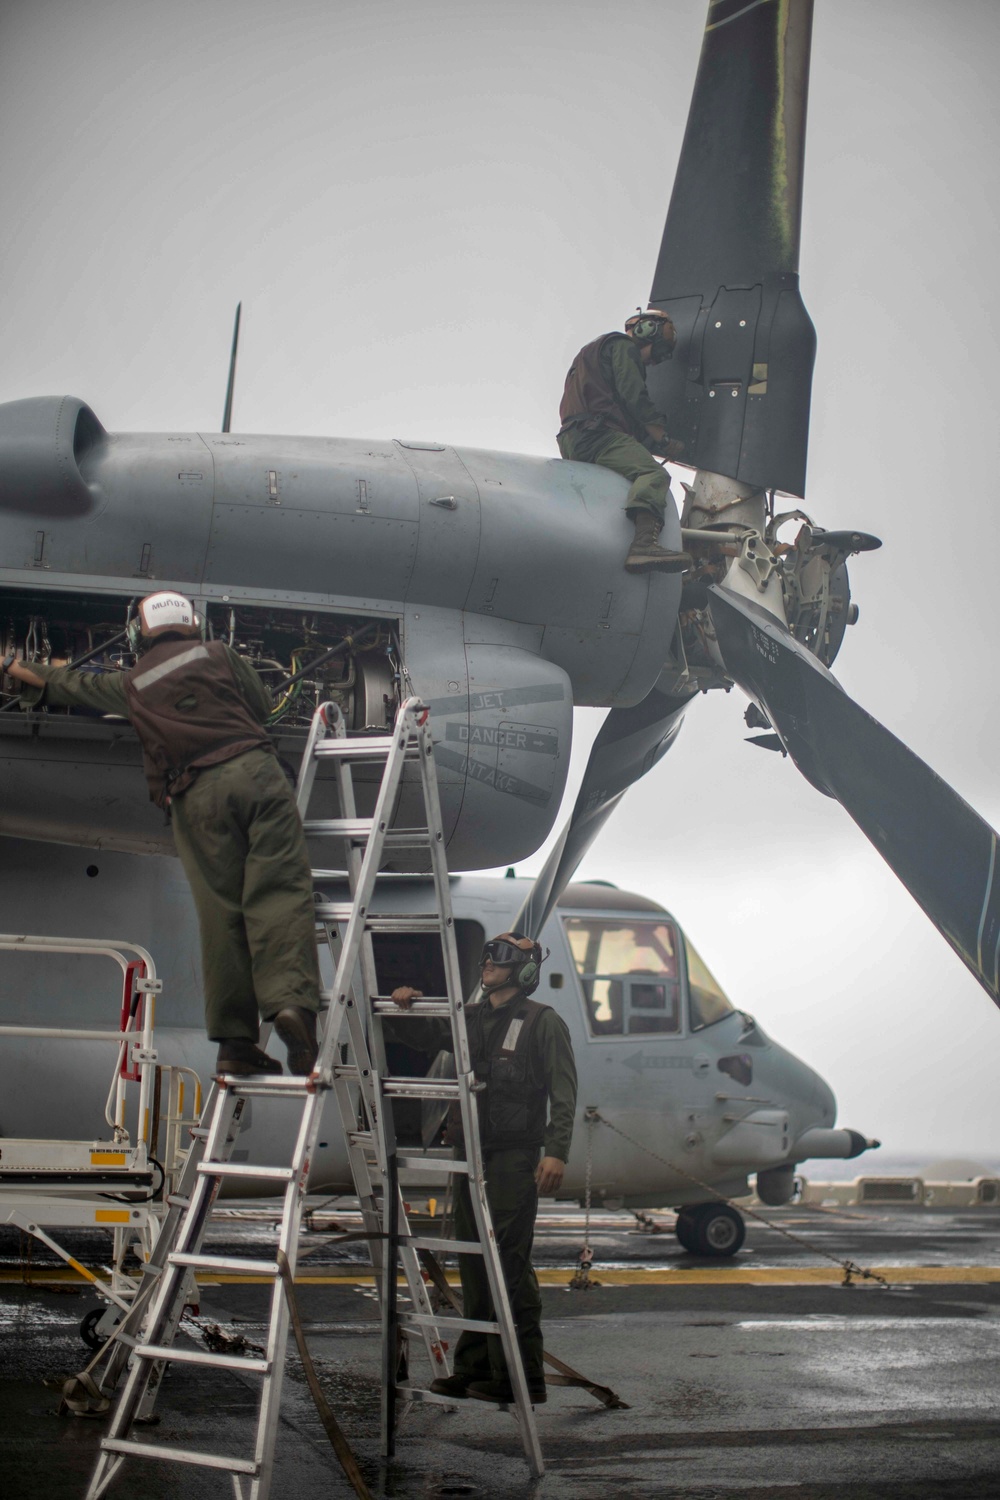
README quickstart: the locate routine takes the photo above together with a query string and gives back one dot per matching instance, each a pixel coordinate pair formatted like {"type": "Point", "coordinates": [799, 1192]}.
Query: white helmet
{"type": "Point", "coordinates": [163, 614]}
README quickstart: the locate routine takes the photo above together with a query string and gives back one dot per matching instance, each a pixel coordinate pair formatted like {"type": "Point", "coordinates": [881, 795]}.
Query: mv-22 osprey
{"type": "Point", "coordinates": [490, 583]}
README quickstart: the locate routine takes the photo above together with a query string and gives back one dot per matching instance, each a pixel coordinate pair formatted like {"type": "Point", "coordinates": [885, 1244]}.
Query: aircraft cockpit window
{"type": "Point", "coordinates": [709, 1002]}
{"type": "Point", "coordinates": [628, 972]}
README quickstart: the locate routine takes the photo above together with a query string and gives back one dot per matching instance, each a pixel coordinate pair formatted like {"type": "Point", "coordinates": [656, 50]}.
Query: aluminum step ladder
{"type": "Point", "coordinates": [364, 1091]}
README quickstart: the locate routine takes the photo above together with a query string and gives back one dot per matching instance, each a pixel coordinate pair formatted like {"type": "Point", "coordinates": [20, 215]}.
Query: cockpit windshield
{"type": "Point", "coordinates": [628, 971]}
{"type": "Point", "coordinates": [709, 1002]}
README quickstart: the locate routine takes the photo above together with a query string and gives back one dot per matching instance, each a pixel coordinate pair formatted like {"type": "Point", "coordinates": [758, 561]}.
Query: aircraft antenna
{"type": "Point", "coordinates": [228, 413]}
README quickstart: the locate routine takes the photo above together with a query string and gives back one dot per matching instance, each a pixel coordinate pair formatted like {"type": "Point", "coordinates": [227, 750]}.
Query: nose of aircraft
{"type": "Point", "coordinates": [808, 1098]}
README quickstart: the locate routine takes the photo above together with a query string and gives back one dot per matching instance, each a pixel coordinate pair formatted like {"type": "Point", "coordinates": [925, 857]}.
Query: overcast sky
{"type": "Point", "coordinates": [427, 206]}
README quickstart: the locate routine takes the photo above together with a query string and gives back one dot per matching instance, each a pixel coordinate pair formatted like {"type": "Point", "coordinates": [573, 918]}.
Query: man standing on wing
{"type": "Point", "coordinates": [521, 1051]}
{"type": "Point", "coordinates": [199, 710]}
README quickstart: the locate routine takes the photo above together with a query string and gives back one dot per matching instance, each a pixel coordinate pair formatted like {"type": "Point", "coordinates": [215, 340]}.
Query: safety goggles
{"type": "Point", "coordinates": [499, 951]}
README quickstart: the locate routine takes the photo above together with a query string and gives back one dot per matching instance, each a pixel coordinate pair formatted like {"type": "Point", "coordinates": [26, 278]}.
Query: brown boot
{"type": "Point", "coordinates": [644, 556]}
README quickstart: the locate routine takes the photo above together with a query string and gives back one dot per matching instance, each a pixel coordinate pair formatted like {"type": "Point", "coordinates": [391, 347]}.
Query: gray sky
{"type": "Point", "coordinates": [427, 206]}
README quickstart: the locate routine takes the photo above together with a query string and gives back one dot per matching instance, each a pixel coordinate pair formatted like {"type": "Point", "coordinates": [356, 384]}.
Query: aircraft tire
{"type": "Point", "coordinates": [88, 1327]}
{"type": "Point", "coordinates": [686, 1226]}
{"type": "Point", "coordinates": [719, 1231]}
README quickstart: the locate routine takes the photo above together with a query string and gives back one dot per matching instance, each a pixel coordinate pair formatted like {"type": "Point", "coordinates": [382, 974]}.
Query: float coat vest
{"type": "Point", "coordinates": [189, 713]}
{"type": "Point", "coordinates": [589, 397]}
{"type": "Point", "coordinates": [513, 1110]}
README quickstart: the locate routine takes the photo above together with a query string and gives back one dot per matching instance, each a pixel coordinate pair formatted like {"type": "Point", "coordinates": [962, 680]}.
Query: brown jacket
{"type": "Point", "coordinates": [185, 702]}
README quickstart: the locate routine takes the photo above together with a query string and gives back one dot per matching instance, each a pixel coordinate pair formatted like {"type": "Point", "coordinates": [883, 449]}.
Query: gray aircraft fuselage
{"type": "Point", "coordinates": [502, 576]}
{"type": "Point", "coordinates": [717, 1101]}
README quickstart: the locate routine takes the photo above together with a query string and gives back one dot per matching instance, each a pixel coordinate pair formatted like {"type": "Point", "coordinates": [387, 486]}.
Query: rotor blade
{"type": "Point", "coordinates": [728, 265]}
{"type": "Point", "coordinates": [630, 742]}
{"type": "Point", "coordinates": [941, 849]}
{"type": "Point", "coordinates": [227, 415]}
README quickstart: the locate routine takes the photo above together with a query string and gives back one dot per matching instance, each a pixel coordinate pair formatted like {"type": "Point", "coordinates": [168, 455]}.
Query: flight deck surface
{"type": "Point", "coordinates": [763, 1376]}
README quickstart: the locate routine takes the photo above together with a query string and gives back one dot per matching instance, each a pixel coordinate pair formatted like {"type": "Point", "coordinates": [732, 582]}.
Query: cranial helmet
{"type": "Point", "coordinates": [653, 327]}
{"type": "Point", "coordinates": [524, 957]}
{"type": "Point", "coordinates": [163, 614]}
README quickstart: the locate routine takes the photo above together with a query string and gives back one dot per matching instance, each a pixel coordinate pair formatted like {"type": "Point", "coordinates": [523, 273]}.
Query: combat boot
{"type": "Point", "coordinates": [241, 1058]}
{"type": "Point", "coordinates": [296, 1027]}
{"type": "Point", "coordinates": [644, 555]}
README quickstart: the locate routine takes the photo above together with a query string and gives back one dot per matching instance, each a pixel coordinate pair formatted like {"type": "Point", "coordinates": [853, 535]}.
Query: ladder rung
{"type": "Point", "coordinates": [223, 1263]}
{"type": "Point", "coordinates": [359, 831]}
{"type": "Point", "coordinates": [385, 922]}
{"type": "Point", "coordinates": [430, 1164]}
{"type": "Point", "coordinates": [343, 828]}
{"type": "Point", "coordinates": [404, 922]}
{"type": "Point", "coordinates": [263, 1088]}
{"type": "Point", "coordinates": [199, 1132]}
{"type": "Point", "coordinates": [203, 1357]}
{"type": "Point", "coordinates": [439, 1246]}
{"type": "Point", "coordinates": [420, 1088]}
{"type": "Point", "coordinates": [367, 749]}
{"type": "Point", "coordinates": [418, 1321]}
{"type": "Point", "coordinates": [360, 1138]}
{"type": "Point", "coordinates": [180, 1455]}
{"type": "Point", "coordinates": [245, 1169]}
{"type": "Point", "coordinates": [175, 1200]}
{"type": "Point", "coordinates": [428, 1008]}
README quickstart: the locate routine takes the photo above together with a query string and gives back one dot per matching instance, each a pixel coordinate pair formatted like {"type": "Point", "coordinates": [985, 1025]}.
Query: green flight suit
{"type": "Point", "coordinates": [239, 838]}
{"type": "Point", "coordinates": [594, 442]}
{"type": "Point", "coordinates": [513, 1201]}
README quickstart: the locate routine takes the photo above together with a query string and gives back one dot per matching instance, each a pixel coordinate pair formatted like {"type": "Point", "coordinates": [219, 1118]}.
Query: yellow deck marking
{"type": "Point", "coordinates": [107, 1158]}
{"type": "Point", "coordinates": [612, 1276]}
{"type": "Point", "coordinates": [111, 1216]}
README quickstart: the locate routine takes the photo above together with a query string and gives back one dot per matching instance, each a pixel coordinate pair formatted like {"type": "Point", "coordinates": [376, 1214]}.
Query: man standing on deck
{"type": "Point", "coordinates": [199, 710]}
{"type": "Point", "coordinates": [521, 1051]}
{"type": "Point", "coordinates": [608, 419]}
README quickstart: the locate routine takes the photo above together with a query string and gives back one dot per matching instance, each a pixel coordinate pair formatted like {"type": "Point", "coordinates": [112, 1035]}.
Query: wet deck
{"type": "Point", "coordinates": [760, 1377]}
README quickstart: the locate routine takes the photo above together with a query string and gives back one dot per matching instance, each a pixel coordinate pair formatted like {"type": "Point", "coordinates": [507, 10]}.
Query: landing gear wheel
{"type": "Point", "coordinates": [719, 1231]}
{"type": "Point", "coordinates": [89, 1327]}
{"type": "Point", "coordinates": [686, 1226]}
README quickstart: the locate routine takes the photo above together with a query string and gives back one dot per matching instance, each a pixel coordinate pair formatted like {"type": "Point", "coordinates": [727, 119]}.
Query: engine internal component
{"type": "Point", "coordinates": [89, 631]}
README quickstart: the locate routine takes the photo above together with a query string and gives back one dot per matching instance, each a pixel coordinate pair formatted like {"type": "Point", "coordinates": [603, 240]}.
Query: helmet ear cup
{"type": "Point", "coordinates": [527, 976]}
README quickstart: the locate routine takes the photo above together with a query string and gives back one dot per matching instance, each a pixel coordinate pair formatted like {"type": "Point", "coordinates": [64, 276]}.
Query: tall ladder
{"type": "Point", "coordinates": [354, 1068]}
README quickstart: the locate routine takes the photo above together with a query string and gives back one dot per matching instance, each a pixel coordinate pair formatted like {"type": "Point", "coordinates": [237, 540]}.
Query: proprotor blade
{"type": "Point", "coordinates": [737, 390]}
{"type": "Point", "coordinates": [630, 742]}
{"type": "Point", "coordinates": [941, 849]}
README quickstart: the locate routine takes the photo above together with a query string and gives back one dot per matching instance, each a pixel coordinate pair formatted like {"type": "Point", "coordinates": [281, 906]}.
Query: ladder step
{"type": "Point", "coordinates": [415, 1322]}
{"type": "Point", "coordinates": [175, 1200]}
{"type": "Point", "coordinates": [359, 830]}
{"type": "Point", "coordinates": [180, 1455]}
{"type": "Point", "coordinates": [244, 1169]}
{"type": "Point", "coordinates": [234, 1263]}
{"type": "Point", "coordinates": [366, 749]}
{"type": "Point", "coordinates": [344, 828]}
{"type": "Point", "coordinates": [340, 911]}
{"type": "Point", "coordinates": [203, 1357]}
{"type": "Point", "coordinates": [420, 1088]}
{"type": "Point", "coordinates": [440, 1246]}
{"type": "Point", "coordinates": [435, 1164]}
{"type": "Point", "coordinates": [285, 1086]}
{"type": "Point", "coordinates": [430, 1007]}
